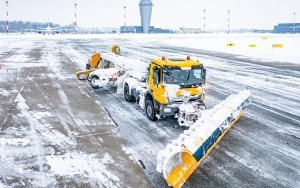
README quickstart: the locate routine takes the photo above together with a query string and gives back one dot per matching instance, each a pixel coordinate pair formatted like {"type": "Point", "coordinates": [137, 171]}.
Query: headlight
{"type": "Point", "coordinates": [167, 110]}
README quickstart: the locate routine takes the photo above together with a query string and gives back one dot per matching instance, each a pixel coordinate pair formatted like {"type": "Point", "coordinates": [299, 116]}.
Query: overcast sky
{"type": "Point", "coordinates": [262, 14]}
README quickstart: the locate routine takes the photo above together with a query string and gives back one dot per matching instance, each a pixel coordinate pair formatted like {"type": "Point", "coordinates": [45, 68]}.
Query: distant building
{"type": "Point", "coordinates": [262, 31]}
{"type": "Point", "coordinates": [184, 30]}
{"type": "Point", "coordinates": [139, 29]}
{"type": "Point", "coordinates": [287, 28]}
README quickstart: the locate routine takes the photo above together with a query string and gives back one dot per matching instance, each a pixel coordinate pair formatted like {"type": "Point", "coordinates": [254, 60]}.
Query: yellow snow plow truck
{"type": "Point", "coordinates": [160, 87]}
{"type": "Point", "coordinates": [170, 87]}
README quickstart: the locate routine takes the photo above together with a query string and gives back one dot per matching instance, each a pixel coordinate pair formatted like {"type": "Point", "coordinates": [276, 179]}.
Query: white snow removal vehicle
{"type": "Point", "coordinates": [170, 87]}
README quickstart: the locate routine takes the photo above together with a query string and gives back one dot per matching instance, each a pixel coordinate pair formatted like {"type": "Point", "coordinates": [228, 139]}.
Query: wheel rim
{"type": "Point", "coordinates": [149, 111]}
{"type": "Point", "coordinates": [93, 82]}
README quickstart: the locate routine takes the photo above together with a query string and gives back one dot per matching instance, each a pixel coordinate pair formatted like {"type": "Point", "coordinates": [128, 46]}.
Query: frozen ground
{"type": "Point", "coordinates": [50, 136]}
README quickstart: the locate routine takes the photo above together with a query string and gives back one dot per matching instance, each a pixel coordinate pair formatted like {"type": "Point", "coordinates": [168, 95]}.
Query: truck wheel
{"type": "Point", "coordinates": [150, 111]}
{"type": "Point", "coordinates": [89, 78]}
{"type": "Point", "coordinates": [127, 96]}
{"type": "Point", "coordinates": [202, 106]}
{"type": "Point", "coordinates": [93, 78]}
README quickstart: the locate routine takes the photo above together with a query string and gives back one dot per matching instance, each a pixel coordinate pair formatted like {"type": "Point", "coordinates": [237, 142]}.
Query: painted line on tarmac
{"type": "Point", "coordinates": [275, 112]}
{"type": "Point", "coordinates": [270, 78]}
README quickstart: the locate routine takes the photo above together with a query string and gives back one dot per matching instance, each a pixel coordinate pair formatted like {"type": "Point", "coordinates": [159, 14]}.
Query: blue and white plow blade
{"type": "Point", "coordinates": [180, 158]}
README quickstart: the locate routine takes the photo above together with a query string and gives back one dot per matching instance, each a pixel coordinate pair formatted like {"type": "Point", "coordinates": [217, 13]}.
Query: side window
{"type": "Point", "coordinates": [197, 73]}
{"type": "Point", "coordinates": [159, 75]}
{"type": "Point", "coordinates": [156, 76]}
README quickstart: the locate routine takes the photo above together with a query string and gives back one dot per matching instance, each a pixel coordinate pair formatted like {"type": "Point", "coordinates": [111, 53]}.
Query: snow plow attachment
{"type": "Point", "coordinates": [93, 62]}
{"type": "Point", "coordinates": [82, 74]}
{"type": "Point", "coordinates": [179, 159]}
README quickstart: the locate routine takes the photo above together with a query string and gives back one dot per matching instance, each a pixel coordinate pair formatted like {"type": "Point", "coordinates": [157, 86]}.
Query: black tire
{"type": "Point", "coordinates": [89, 78]}
{"type": "Point", "coordinates": [94, 77]}
{"type": "Point", "coordinates": [150, 111]}
{"type": "Point", "coordinates": [127, 96]}
{"type": "Point", "coordinates": [202, 106]}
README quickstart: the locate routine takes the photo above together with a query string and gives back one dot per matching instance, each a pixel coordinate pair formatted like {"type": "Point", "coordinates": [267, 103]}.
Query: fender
{"type": "Point", "coordinates": [131, 82]}
{"type": "Point", "coordinates": [150, 95]}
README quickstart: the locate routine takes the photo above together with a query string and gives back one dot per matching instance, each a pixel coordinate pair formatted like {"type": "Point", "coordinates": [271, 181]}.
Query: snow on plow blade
{"type": "Point", "coordinates": [179, 159]}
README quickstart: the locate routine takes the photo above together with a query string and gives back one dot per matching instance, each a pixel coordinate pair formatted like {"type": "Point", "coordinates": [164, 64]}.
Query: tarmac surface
{"type": "Point", "coordinates": [49, 117]}
{"type": "Point", "coordinates": [56, 131]}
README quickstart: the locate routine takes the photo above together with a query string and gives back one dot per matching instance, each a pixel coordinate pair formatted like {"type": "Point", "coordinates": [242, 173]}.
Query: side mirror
{"type": "Point", "coordinates": [204, 76]}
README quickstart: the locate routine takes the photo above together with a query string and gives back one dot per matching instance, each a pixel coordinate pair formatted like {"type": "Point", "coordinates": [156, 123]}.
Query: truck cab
{"type": "Point", "coordinates": [170, 82]}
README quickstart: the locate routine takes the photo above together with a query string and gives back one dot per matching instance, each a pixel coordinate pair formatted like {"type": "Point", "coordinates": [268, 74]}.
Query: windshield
{"type": "Point", "coordinates": [188, 78]}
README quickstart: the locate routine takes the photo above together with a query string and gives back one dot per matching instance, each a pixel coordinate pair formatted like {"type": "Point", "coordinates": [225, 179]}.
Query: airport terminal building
{"type": "Point", "coordinates": [139, 29]}
{"type": "Point", "coordinates": [287, 28]}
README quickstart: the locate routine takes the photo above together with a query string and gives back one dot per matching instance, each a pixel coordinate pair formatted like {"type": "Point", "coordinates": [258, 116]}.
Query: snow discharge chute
{"type": "Point", "coordinates": [180, 158]}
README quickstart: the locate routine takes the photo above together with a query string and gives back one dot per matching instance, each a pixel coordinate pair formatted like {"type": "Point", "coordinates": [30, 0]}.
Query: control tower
{"type": "Point", "coordinates": [145, 10]}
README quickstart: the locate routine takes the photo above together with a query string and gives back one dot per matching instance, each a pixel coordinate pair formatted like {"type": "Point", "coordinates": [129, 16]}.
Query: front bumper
{"type": "Point", "coordinates": [169, 110]}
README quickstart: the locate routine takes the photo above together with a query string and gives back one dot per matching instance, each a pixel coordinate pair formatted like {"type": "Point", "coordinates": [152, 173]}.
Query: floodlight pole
{"type": "Point", "coordinates": [204, 20]}
{"type": "Point", "coordinates": [294, 22]}
{"type": "Point", "coordinates": [228, 20]}
{"type": "Point", "coordinates": [6, 16]}
{"type": "Point", "coordinates": [75, 24]}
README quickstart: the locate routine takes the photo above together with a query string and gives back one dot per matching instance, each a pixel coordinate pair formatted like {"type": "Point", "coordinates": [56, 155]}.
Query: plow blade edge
{"type": "Point", "coordinates": [180, 158]}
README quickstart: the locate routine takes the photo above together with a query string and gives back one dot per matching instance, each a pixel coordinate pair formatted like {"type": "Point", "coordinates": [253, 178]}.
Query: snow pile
{"type": "Point", "coordinates": [15, 141]}
{"type": "Point", "coordinates": [84, 164]}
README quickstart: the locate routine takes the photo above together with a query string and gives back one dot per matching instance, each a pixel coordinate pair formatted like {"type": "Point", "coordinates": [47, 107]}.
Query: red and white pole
{"type": "Point", "coordinates": [228, 20]}
{"type": "Point", "coordinates": [124, 19]}
{"type": "Point", "coordinates": [7, 17]}
{"type": "Point", "coordinates": [75, 24]}
{"type": "Point", "coordinates": [294, 22]}
{"type": "Point", "coordinates": [204, 20]}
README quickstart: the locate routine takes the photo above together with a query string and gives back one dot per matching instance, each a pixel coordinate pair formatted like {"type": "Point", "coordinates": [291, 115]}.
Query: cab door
{"type": "Point", "coordinates": [155, 84]}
